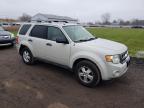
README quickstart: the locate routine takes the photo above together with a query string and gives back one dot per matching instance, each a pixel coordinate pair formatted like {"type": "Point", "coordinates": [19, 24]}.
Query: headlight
{"type": "Point", "coordinates": [114, 59]}
{"type": "Point", "coordinates": [12, 35]}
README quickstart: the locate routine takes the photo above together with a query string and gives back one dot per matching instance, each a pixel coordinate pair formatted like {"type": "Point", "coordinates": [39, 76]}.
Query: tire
{"type": "Point", "coordinates": [87, 73]}
{"type": "Point", "coordinates": [27, 56]}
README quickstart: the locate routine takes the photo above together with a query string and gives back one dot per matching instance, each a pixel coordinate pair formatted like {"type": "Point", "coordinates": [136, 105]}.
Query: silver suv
{"type": "Point", "coordinates": [92, 59]}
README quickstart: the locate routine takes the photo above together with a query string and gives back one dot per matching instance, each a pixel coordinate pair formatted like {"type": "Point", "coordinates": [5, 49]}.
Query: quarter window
{"type": "Point", "coordinates": [24, 29]}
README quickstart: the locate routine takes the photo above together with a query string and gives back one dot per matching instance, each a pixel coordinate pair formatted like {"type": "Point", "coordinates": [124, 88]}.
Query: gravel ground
{"type": "Point", "coordinates": [47, 86]}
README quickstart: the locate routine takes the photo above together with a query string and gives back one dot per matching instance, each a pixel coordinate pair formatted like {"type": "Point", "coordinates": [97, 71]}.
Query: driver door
{"type": "Point", "coordinates": [57, 52]}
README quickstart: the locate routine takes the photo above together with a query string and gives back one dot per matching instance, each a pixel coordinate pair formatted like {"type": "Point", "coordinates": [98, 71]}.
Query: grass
{"type": "Point", "coordinates": [15, 33]}
{"type": "Point", "coordinates": [133, 38]}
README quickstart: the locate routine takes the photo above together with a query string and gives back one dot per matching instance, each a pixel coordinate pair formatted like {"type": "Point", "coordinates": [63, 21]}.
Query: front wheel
{"type": "Point", "coordinates": [87, 73]}
{"type": "Point", "coordinates": [27, 56]}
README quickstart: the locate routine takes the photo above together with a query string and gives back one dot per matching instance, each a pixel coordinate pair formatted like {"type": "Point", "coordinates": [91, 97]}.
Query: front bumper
{"type": "Point", "coordinates": [7, 41]}
{"type": "Point", "coordinates": [116, 70]}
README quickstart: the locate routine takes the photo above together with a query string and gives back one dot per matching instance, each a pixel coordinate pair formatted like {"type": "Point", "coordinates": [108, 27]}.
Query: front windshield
{"type": "Point", "coordinates": [78, 33]}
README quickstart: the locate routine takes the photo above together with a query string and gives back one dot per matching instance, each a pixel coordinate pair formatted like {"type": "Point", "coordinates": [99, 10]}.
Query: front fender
{"type": "Point", "coordinates": [92, 57]}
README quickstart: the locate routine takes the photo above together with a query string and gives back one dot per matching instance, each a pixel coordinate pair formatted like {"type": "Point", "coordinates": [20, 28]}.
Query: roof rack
{"type": "Point", "coordinates": [52, 22]}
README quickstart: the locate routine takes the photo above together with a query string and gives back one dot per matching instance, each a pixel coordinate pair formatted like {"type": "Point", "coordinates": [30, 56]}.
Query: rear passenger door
{"type": "Point", "coordinates": [38, 39]}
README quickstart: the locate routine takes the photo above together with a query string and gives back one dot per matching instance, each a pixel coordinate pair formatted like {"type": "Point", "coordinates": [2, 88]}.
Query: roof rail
{"type": "Point", "coordinates": [54, 21]}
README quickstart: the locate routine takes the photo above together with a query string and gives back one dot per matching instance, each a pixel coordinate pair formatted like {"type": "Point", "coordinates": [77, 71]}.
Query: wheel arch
{"type": "Point", "coordinates": [21, 48]}
{"type": "Point", "coordinates": [23, 45]}
{"type": "Point", "coordinates": [82, 59]}
{"type": "Point", "coordinates": [95, 60]}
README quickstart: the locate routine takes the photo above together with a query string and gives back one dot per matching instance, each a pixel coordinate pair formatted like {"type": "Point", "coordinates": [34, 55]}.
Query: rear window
{"type": "Point", "coordinates": [24, 29]}
{"type": "Point", "coordinates": [39, 31]}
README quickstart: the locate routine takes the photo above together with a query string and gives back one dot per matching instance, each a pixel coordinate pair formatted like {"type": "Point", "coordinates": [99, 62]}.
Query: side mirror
{"type": "Point", "coordinates": [62, 40]}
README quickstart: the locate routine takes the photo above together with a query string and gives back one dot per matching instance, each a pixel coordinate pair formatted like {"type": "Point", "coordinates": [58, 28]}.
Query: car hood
{"type": "Point", "coordinates": [4, 33]}
{"type": "Point", "coordinates": [106, 45]}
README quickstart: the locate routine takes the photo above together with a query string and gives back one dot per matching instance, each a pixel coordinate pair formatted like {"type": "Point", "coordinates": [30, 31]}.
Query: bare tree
{"type": "Point", "coordinates": [106, 18]}
{"type": "Point", "coordinates": [25, 18]}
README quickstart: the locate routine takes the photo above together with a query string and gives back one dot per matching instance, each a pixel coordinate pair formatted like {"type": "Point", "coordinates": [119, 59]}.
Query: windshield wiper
{"type": "Point", "coordinates": [84, 40]}
{"type": "Point", "coordinates": [91, 39]}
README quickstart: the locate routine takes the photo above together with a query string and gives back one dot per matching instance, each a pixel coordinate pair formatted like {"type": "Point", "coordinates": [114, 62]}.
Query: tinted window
{"type": "Point", "coordinates": [54, 33]}
{"type": "Point", "coordinates": [24, 29]}
{"type": "Point", "coordinates": [39, 31]}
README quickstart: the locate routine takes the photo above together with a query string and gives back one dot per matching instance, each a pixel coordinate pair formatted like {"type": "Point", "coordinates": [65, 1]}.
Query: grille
{"type": "Point", "coordinates": [123, 57]}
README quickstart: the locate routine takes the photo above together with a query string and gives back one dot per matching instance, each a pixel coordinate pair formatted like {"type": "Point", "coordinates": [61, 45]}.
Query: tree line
{"type": "Point", "coordinates": [106, 20]}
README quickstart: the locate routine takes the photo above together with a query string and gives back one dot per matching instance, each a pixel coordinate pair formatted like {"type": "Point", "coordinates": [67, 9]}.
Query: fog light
{"type": "Point", "coordinates": [116, 73]}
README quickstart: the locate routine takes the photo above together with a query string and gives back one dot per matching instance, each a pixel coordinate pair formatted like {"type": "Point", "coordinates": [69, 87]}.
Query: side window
{"type": "Point", "coordinates": [54, 33]}
{"type": "Point", "coordinates": [24, 29]}
{"type": "Point", "coordinates": [39, 31]}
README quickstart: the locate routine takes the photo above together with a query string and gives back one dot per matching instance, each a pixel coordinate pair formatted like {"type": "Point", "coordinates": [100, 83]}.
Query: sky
{"type": "Point", "coordinates": [84, 10]}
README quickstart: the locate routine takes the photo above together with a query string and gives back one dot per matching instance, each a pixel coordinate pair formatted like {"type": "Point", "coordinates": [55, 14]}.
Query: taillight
{"type": "Point", "coordinates": [17, 39]}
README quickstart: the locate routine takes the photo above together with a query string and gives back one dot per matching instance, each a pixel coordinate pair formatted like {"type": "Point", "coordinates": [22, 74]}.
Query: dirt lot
{"type": "Point", "coordinates": [47, 86]}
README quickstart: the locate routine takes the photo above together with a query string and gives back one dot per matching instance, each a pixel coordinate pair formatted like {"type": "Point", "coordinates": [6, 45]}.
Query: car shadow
{"type": "Point", "coordinates": [6, 47]}
{"type": "Point", "coordinates": [66, 73]}
{"type": "Point", "coordinates": [55, 68]}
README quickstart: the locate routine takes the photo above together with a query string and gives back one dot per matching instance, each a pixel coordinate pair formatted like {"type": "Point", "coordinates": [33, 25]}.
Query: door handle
{"type": "Point", "coordinates": [30, 40]}
{"type": "Point", "coordinates": [48, 44]}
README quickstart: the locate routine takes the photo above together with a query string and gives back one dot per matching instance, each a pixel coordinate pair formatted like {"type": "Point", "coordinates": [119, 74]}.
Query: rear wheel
{"type": "Point", "coordinates": [87, 73]}
{"type": "Point", "coordinates": [27, 56]}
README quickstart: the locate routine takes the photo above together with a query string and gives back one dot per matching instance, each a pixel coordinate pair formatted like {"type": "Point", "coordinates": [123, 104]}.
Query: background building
{"type": "Point", "coordinates": [49, 17]}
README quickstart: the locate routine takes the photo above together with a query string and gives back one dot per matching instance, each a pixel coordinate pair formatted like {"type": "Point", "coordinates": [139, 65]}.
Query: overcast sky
{"type": "Point", "coordinates": [84, 10]}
